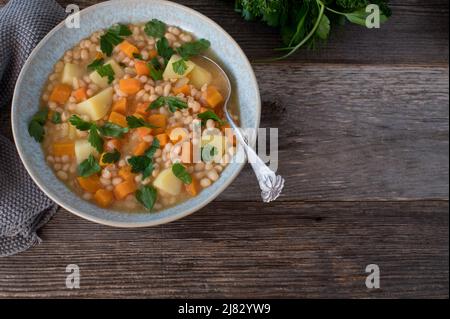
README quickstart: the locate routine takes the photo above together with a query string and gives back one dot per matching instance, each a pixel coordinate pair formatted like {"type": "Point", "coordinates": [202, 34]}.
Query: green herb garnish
{"type": "Point", "coordinates": [179, 66]}
{"type": "Point", "coordinates": [106, 70]}
{"type": "Point", "coordinates": [56, 118]}
{"type": "Point", "coordinates": [95, 64]}
{"type": "Point", "coordinates": [112, 130]}
{"type": "Point", "coordinates": [155, 28]}
{"type": "Point", "coordinates": [180, 172]}
{"type": "Point", "coordinates": [112, 157]}
{"type": "Point", "coordinates": [79, 123]}
{"type": "Point", "coordinates": [172, 102]}
{"type": "Point", "coordinates": [209, 114]}
{"type": "Point", "coordinates": [147, 196]}
{"type": "Point", "coordinates": [138, 56]}
{"type": "Point", "coordinates": [89, 167]}
{"type": "Point", "coordinates": [152, 150]}
{"type": "Point", "coordinates": [164, 50]}
{"type": "Point", "coordinates": [136, 122]}
{"type": "Point", "coordinates": [112, 37]}
{"type": "Point", "coordinates": [156, 69]}
{"type": "Point", "coordinates": [36, 125]}
{"type": "Point", "coordinates": [208, 153]}
{"type": "Point", "coordinates": [94, 139]}
{"type": "Point", "coordinates": [144, 164]}
{"type": "Point", "coordinates": [190, 49]}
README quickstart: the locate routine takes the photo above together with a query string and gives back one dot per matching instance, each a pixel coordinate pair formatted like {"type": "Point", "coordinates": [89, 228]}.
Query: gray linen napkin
{"type": "Point", "coordinates": [23, 207]}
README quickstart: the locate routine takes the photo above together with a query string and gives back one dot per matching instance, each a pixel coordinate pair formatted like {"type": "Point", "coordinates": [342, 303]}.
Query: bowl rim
{"type": "Point", "coordinates": [104, 221]}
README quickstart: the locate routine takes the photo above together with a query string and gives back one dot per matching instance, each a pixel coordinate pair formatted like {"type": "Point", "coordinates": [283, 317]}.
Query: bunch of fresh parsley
{"type": "Point", "coordinates": [307, 22]}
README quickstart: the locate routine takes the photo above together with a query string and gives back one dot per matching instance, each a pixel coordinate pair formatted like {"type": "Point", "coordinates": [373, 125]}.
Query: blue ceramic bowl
{"type": "Point", "coordinates": [60, 39]}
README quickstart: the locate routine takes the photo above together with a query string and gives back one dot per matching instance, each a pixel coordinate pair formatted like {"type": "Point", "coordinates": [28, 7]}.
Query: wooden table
{"type": "Point", "coordinates": [363, 127]}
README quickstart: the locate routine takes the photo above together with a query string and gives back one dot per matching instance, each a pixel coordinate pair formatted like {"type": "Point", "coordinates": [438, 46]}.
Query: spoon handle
{"type": "Point", "coordinates": [271, 184]}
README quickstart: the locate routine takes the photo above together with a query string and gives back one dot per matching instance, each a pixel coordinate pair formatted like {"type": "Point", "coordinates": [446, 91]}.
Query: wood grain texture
{"type": "Point", "coordinates": [228, 250]}
{"type": "Point", "coordinates": [363, 126]}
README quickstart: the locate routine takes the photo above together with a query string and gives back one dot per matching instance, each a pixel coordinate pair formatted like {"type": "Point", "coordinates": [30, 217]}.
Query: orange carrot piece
{"type": "Point", "coordinates": [212, 96]}
{"type": "Point", "coordinates": [185, 89]}
{"type": "Point", "coordinates": [60, 93]}
{"type": "Point", "coordinates": [90, 184]}
{"type": "Point", "coordinates": [118, 119]}
{"type": "Point", "coordinates": [120, 106]}
{"type": "Point", "coordinates": [64, 148]}
{"type": "Point", "coordinates": [163, 139]}
{"type": "Point", "coordinates": [141, 68]}
{"type": "Point", "coordinates": [143, 131]}
{"type": "Point", "coordinates": [103, 197]}
{"type": "Point", "coordinates": [124, 189]}
{"type": "Point", "coordinates": [126, 173]}
{"type": "Point", "coordinates": [193, 188]}
{"type": "Point", "coordinates": [140, 149]}
{"type": "Point", "coordinates": [130, 86]}
{"type": "Point", "coordinates": [80, 94]}
{"type": "Point", "coordinates": [127, 48]}
{"type": "Point", "coordinates": [141, 108]}
{"type": "Point", "coordinates": [152, 54]}
{"type": "Point", "coordinates": [159, 120]}
{"type": "Point", "coordinates": [98, 55]}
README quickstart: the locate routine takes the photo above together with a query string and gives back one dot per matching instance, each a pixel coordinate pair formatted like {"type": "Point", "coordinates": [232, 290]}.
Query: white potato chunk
{"type": "Point", "coordinates": [167, 182]}
{"type": "Point", "coordinates": [169, 72]}
{"type": "Point", "coordinates": [70, 72]}
{"type": "Point", "coordinates": [83, 149]}
{"type": "Point", "coordinates": [200, 76]}
{"type": "Point", "coordinates": [97, 106]}
{"type": "Point", "coordinates": [103, 81]}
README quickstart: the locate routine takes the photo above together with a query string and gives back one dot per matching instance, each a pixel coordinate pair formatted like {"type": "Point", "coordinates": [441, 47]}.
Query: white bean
{"type": "Point", "coordinates": [205, 182]}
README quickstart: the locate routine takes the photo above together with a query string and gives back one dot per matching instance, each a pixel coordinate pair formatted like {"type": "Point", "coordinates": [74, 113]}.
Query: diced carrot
{"type": "Point", "coordinates": [103, 197]}
{"type": "Point", "coordinates": [141, 108]}
{"type": "Point", "coordinates": [113, 144]}
{"type": "Point", "coordinates": [152, 54]}
{"type": "Point", "coordinates": [186, 152]}
{"type": "Point", "coordinates": [159, 120]}
{"type": "Point", "coordinates": [141, 68]}
{"type": "Point", "coordinates": [163, 139]}
{"type": "Point", "coordinates": [118, 119]}
{"type": "Point", "coordinates": [143, 131]}
{"type": "Point", "coordinates": [61, 93]}
{"type": "Point", "coordinates": [127, 48]}
{"type": "Point", "coordinates": [120, 106]}
{"type": "Point", "coordinates": [212, 96]}
{"type": "Point", "coordinates": [80, 94]}
{"type": "Point", "coordinates": [98, 55]}
{"type": "Point", "coordinates": [193, 188]}
{"type": "Point", "coordinates": [130, 86]}
{"type": "Point", "coordinates": [126, 174]}
{"type": "Point", "coordinates": [90, 184]}
{"type": "Point", "coordinates": [124, 189]}
{"type": "Point", "coordinates": [63, 148]}
{"type": "Point", "coordinates": [140, 149]}
{"type": "Point", "coordinates": [185, 89]}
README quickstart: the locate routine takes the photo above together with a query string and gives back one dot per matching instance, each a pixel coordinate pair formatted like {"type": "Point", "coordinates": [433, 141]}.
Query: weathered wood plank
{"type": "Point", "coordinates": [417, 33]}
{"type": "Point", "coordinates": [355, 132]}
{"type": "Point", "coordinates": [246, 250]}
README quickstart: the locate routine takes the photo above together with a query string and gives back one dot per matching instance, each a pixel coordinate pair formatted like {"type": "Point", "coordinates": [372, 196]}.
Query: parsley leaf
{"type": "Point", "coordinates": [156, 69]}
{"type": "Point", "coordinates": [106, 70]}
{"type": "Point", "coordinates": [112, 37]}
{"type": "Point", "coordinates": [147, 196]}
{"type": "Point", "coordinates": [95, 64]}
{"type": "Point", "coordinates": [79, 123]}
{"type": "Point", "coordinates": [209, 114]}
{"type": "Point", "coordinates": [179, 67]}
{"type": "Point", "coordinates": [112, 130]}
{"type": "Point", "coordinates": [141, 164]}
{"type": "Point", "coordinates": [180, 172]}
{"type": "Point", "coordinates": [164, 49]}
{"type": "Point", "coordinates": [138, 56]}
{"type": "Point", "coordinates": [94, 139]}
{"type": "Point", "coordinates": [89, 167]}
{"type": "Point", "coordinates": [155, 28]}
{"type": "Point", "coordinates": [155, 146]}
{"type": "Point", "coordinates": [136, 122]}
{"type": "Point", "coordinates": [36, 125]}
{"type": "Point", "coordinates": [190, 49]}
{"type": "Point", "coordinates": [172, 102]}
{"type": "Point", "coordinates": [112, 157]}
{"type": "Point", "coordinates": [56, 118]}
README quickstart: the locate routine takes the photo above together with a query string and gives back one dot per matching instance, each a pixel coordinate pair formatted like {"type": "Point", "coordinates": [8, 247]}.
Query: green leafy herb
{"type": "Point", "coordinates": [152, 150]}
{"type": "Point", "coordinates": [172, 102]}
{"type": "Point", "coordinates": [147, 196]}
{"type": "Point", "coordinates": [79, 123]}
{"type": "Point", "coordinates": [106, 70]}
{"type": "Point", "coordinates": [141, 164]}
{"type": "Point", "coordinates": [156, 69]}
{"type": "Point", "coordinates": [179, 66]}
{"type": "Point", "coordinates": [89, 167]}
{"type": "Point", "coordinates": [180, 172]}
{"type": "Point", "coordinates": [190, 49]}
{"type": "Point", "coordinates": [112, 130]}
{"type": "Point", "coordinates": [136, 122]}
{"type": "Point", "coordinates": [304, 23]}
{"type": "Point", "coordinates": [164, 49]}
{"type": "Point", "coordinates": [95, 64]}
{"type": "Point", "coordinates": [155, 28]}
{"type": "Point", "coordinates": [112, 37]}
{"type": "Point", "coordinates": [209, 114]}
{"type": "Point", "coordinates": [56, 118]}
{"type": "Point", "coordinates": [112, 157]}
{"type": "Point", "coordinates": [137, 56]}
{"type": "Point", "coordinates": [94, 139]}
{"type": "Point", "coordinates": [36, 125]}
{"type": "Point", "coordinates": [208, 153]}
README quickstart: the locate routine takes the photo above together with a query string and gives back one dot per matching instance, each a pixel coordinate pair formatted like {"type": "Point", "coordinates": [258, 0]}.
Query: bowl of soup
{"type": "Point", "coordinates": [121, 121]}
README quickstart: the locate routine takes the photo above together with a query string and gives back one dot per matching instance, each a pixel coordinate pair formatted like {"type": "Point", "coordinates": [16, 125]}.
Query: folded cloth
{"type": "Point", "coordinates": [23, 207]}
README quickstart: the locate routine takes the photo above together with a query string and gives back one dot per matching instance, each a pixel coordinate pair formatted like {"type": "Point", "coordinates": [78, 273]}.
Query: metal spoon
{"type": "Point", "coordinates": [271, 184]}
